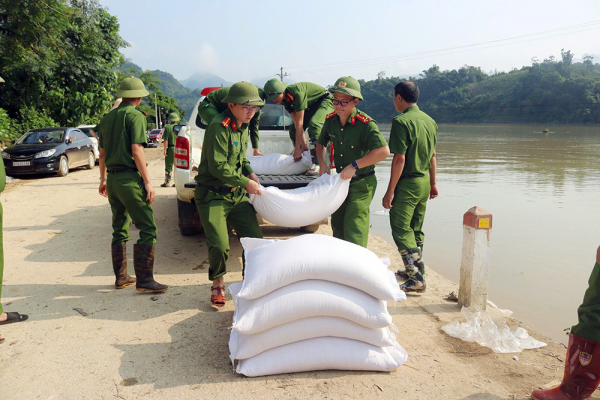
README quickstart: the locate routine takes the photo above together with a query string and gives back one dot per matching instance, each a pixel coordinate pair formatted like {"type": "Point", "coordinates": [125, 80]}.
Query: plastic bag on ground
{"type": "Point", "coordinates": [325, 353]}
{"type": "Point", "coordinates": [280, 164]}
{"type": "Point", "coordinates": [273, 264]}
{"type": "Point", "coordinates": [303, 206]}
{"type": "Point", "coordinates": [479, 327]}
{"type": "Point", "coordinates": [242, 346]}
{"type": "Point", "coordinates": [305, 299]}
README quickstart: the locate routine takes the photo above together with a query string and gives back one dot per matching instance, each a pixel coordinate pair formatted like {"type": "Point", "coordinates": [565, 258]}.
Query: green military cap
{"type": "Point", "coordinates": [132, 88]}
{"type": "Point", "coordinates": [173, 117]}
{"type": "Point", "coordinates": [261, 92]}
{"type": "Point", "coordinates": [273, 88]}
{"type": "Point", "coordinates": [347, 85]}
{"type": "Point", "coordinates": [244, 93]}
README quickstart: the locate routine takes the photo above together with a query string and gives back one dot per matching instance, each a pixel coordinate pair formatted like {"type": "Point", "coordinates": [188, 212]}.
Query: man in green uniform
{"type": "Point", "coordinates": [5, 317]}
{"type": "Point", "coordinates": [169, 143]}
{"type": "Point", "coordinates": [122, 133]}
{"type": "Point", "coordinates": [308, 105]}
{"type": "Point", "coordinates": [224, 176]}
{"type": "Point", "coordinates": [413, 138]}
{"type": "Point", "coordinates": [582, 364]}
{"type": "Point", "coordinates": [213, 105]}
{"type": "Point", "coordinates": [357, 147]}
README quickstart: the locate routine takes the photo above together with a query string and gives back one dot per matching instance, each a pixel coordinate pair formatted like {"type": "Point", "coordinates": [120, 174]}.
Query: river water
{"type": "Point", "coordinates": [543, 193]}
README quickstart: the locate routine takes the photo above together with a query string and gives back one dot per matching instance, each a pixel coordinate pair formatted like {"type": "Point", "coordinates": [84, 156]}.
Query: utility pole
{"type": "Point", "coordinates": [282, 75]}
{"type": "Point", "coordinates": [156, 112]}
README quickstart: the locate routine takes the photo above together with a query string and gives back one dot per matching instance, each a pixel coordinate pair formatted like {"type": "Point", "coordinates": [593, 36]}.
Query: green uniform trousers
{"type": "Point", "coordinates": [589, 311]}
{"type": "Point", "coordinates": [408, 211]}
{"type": "Point", "coordinates": [351, 221]}
{"type": "Point", "coordinates": [314, 118]}
{"type": "Point", "coordinates": [169, 159]}
{"type": "Point", "coordinates": [1, 253]}
{"type": "Point", "coordinates": [127, 197]}
{"type": "Point", "coordinates": [216, 212]}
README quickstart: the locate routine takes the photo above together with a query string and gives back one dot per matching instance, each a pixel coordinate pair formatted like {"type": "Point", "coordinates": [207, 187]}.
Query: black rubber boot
{"type": "Point", "coordinates": [143, 261]}
{"type": "Point", "coordinates": [119, 260]}
{"type": "Point", "coordinates": [167, 180]}
{"type": "Point", "coordinates": [415, 270]}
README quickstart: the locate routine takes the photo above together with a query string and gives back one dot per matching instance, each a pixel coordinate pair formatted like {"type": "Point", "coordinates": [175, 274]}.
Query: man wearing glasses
{"type": "Point", "coordinates": [224, 177]}
{"type": "Point", "coordinates": [357, 147]}
{"type": "Point", "coordinates": [308, 105]}
{"type": "Point", "coordinates": [413, 138]}
{"type": "Point", "coordinates": [213, 105]}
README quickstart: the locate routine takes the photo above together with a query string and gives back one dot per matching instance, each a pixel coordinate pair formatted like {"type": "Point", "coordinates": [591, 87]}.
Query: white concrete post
{"type": "Point", "coordinates": [475, 265]}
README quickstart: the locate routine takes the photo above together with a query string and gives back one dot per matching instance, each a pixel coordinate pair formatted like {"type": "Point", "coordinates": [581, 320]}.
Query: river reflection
{"type": "Point", "coordinates": [542, 190]}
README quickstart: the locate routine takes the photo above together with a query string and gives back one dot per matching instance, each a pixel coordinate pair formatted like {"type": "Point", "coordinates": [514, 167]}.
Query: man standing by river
{"type": "Point", "coordinates": [413, 138]}
{"type": "Point", "coordinates": [357, 147]}
{"type": "Point", "coordinates": [122, 133]}
{"type": "Point", "coordinates": [582, 364]}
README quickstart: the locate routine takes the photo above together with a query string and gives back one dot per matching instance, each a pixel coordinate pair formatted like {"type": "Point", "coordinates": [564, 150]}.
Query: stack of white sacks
{"type": "Point", "coordinates": [313, 303]}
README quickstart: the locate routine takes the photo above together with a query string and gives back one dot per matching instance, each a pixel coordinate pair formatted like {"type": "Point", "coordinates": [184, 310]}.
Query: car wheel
{"type": "Point", "coordinates": [91, 161]}
{"type": "Point", "coordinates": [63, 166]}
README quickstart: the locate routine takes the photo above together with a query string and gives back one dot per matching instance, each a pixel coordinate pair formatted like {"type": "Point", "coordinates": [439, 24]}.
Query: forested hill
{"type": "Point", "coordinates": [551, 91]}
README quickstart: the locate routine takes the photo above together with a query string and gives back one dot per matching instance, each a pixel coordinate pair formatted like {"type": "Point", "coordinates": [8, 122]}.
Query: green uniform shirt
{"type": "Point", "coordinates": [352, 141]}
{"type": "Point", "coordinates": [216, 98]}
{"type": "Point", "coordinates": [223, 161]}
{"type": "Point", "coordinates": [302, 95]}
{"type": "Point", "coordinates": [168, 135]}
{"type": "Point", "coordinates": [117, 131]}
{"type": "Point", "coordinates": [414, 134]}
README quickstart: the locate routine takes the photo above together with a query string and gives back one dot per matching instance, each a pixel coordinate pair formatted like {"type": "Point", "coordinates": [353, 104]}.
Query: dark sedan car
{"type": "Point", "coordinates": [49, 150]}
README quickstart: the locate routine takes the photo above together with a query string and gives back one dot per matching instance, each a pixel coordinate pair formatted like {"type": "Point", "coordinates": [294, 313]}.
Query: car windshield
{"type": "Point", "coordinates": [36, 137]}
{"type": "Point", "coordinates": [274, 116]}
{"type": "Point", "coordinates": [155, 132]}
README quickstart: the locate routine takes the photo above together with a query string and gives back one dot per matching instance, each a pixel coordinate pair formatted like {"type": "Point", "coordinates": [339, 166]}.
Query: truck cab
{"type": "Point", "coordinates": [274, 138]}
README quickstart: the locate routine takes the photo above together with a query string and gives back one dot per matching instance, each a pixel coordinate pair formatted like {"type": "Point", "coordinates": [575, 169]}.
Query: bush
{"type": "Point", "coordinates": [4, 126]}
{"type": "Point", "coordinates": [30, 119]}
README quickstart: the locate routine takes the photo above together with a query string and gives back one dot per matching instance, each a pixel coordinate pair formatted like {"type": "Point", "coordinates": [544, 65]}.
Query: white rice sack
{"type": "Point", "coordinates": [302, 206]}
{"type": "Point", "coordinates": [324, 353]}
{"type": "Point", "coordinates": [271, 264]}
{"type": "Point", "coordinates": [242, 346]}
{"type": "Point", "coordinates": [280, 164]}
{"type": "Point", "coordinates": [307, 299]}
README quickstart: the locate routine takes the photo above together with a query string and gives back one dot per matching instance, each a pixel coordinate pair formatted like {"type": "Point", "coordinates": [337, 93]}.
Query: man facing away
{"type": "Point", "coordinates": [169, 143]}
{"type": "Point", "coordinates": [308, 105]}
{"type": "Point", "coordinates": [224, 177]}
{"type": "Point", "coordinates": [125, 180]}
{"type": "Point", "coordinates": [357, 147]}
{"type": "Point", "coordinates": [413, 138]}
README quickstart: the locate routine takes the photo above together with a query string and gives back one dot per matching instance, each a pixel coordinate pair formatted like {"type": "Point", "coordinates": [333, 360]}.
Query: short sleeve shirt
{"type": "Point", "coordinates": [223, 161]}
{"type": "Point", "coordinates": [117, 132]}
{"type": "Point", "coordinates": [168, 135]}
{"type": "Point", "coordinates": [414, 134]}
{"type": "Point", "coordinates": [302, 95]}
{"type": "Point", "coordinates": [354, 140]}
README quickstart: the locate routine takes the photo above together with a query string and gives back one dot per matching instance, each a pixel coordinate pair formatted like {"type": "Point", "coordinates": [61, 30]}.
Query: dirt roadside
{"type": "Point", "coordinates": [86, 340]}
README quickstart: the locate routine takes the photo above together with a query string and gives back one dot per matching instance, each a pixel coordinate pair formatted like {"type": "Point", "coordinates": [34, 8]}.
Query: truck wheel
{"type": "Point", "coordinates": [189, 220]}
{"type": "Point", "coordinates": [310, 228]}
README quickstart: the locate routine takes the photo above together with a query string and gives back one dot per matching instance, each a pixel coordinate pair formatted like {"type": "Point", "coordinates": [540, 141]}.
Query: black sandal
{"type": "Point", "coordinates": [12, 317]}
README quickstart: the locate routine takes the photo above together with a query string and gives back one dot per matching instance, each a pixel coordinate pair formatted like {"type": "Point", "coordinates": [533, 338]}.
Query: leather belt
{"type": "Point", "coordinates": [170, 145]}
{"type": "Point", "coordinates": [411, 176]}
{"type": "Point", "coordinates": [116, 171]}
{"type": "Point", "coordinates": [220, 189]}
{"type": "Point", "coordinates": [360, 176]}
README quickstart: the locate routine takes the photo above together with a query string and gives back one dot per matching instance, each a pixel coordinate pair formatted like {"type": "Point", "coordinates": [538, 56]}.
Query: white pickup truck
{"type": "Point", "coordinates": [274, 138]}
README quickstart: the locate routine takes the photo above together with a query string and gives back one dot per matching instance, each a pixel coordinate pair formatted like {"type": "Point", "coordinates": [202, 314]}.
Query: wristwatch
{"type": "Point", "coordinates": [355, 165]}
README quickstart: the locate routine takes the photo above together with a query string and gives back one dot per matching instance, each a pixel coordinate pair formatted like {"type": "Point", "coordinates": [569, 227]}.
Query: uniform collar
{"type": "Point", "coordinates": [351, 118]}
{"type": "Point", "coordinates": [411, 108]}
{"type": "Point", "coordinates": [233, 122]}
{"type": "Point", "coordinates": [125, 104]}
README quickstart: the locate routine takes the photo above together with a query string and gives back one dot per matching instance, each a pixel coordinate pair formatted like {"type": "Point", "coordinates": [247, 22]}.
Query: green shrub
{"type": "Point", "coordinates": [30, 119]}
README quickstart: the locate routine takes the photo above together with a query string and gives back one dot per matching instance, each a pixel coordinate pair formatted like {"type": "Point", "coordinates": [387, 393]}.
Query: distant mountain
{"type": "Point", "coordinates": [129, 64]}
{"type": "Point", "coordinates": [200, 80]}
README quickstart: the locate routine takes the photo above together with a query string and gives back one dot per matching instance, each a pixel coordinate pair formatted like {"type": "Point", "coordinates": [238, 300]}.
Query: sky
{"type": "Point", "coordinates": [319, 41]}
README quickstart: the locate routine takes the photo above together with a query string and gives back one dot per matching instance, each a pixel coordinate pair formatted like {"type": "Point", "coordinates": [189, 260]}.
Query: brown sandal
{"type": "Point", "coordinates": [218, 299]}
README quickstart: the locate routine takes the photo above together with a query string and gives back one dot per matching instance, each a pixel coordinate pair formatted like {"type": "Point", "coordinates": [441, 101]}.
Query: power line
{"type": "Point", "coordinates": [447, 51]}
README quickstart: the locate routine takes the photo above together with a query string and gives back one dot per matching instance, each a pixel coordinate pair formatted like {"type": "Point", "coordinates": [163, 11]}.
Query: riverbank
{"type": "Point", "coordinates": [86, 340]}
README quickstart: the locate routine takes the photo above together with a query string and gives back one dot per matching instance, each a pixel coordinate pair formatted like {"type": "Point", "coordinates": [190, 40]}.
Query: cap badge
{"type": "Point", "coordinates": [342, 84]}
